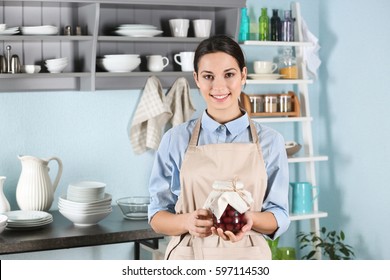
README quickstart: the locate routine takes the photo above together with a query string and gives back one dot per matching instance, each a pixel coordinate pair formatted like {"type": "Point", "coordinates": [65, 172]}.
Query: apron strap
{"type": "Point", "coordinates": [196, 132]}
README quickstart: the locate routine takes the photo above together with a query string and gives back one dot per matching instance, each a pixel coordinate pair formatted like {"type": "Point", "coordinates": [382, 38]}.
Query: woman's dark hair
{"type": "Point", "coordinates": [219, 43]}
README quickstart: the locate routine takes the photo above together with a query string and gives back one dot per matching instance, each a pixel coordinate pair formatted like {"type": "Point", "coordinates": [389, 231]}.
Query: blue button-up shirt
{"type": "Point", "coordinates": [164, 186]}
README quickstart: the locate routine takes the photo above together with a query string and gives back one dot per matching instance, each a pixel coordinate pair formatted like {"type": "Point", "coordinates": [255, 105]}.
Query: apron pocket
{"type": "Point", "coordinates": [238, 253]}
{"type": "Point", "coordinates": [182, 253]}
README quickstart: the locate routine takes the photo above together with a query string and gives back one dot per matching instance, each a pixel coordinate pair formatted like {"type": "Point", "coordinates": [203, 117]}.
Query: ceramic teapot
{"type": "Point", "coordinates": [35, 191]}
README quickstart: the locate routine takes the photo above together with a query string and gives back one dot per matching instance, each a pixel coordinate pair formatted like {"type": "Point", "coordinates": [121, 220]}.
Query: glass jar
{"type": "Point", "coordinates": [231, 220]}
{"type": "Point", "coordinates": [288, 64]}
{"type": "Point", "coordinates": [285, 103]}
{"type": "Point", "coordinates": [257, 104]}
{"type": "Point", "coordinates": [270, 104]}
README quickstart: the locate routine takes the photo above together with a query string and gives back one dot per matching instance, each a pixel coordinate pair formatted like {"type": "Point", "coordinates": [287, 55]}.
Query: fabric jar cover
{"type": "Point", "coordinates": [228, 192]}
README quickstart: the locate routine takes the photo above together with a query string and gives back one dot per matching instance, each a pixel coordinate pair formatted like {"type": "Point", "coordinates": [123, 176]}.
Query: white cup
{"type": "Point", "coordinates": [179, 27]}
{"type": "Point", "coordinates": [156, 63]}
{"type": "Point", "coordinates": [264, 67]}
{"type": "Point", "coordinates": [202, 27]}
{"type": "Point", "coordinates": [185, 60]}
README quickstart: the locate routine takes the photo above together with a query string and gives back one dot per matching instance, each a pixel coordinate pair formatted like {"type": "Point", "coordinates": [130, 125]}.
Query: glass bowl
{"type": "Point", "coordinates": [134, 207]}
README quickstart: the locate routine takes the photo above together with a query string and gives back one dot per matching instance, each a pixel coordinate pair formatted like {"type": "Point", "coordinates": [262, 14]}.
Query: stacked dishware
{"type": "Point", "coordinates": [85, 203]}
{"type": "Point", "coordinates": [56, 65]}
{"type": "Point", "coordinates": [39, 30]}
{"type": "Point", "coordinates": [119, 62]}
{"type": "Point", "coordinates": [137, 30]}
{"type": "Point", "coordinates": [8, 31]}
{"type": "Point", "coordinates": [27, 219]}
{"type": "Point", "coordinates": [3, 222]}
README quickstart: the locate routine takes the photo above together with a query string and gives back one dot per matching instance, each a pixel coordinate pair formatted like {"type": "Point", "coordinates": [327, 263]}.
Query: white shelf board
{"type": "Point", "coordinates": [277, 43]}
{"type": "Point", "coordinates": [298, 159]}
{"type": "Point", "coordinates": [283, 119]}
{"type": "Point", "coordinates": [279, 82]}
{"type": "Point", "coordinates": [315, 215]}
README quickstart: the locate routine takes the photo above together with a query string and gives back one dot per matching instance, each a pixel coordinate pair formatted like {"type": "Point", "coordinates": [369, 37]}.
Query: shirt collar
{"type": "Point", "coordinates": [235, 127]}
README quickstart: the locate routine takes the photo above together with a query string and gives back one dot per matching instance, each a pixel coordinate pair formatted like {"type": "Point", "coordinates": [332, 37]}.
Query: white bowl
{"type": "Point", "coordinates": [56, 60]}
{"type": "Point", "coordinates": [30, 69]}
{"type": "Point", "coordinates": [3, 219]}
{"type": "Point", "coordinates": [85, 205]}
{"type": "Point", "coordinates": [120, 65]}
{"type": "Point", "coordinates": [121, 56]}
{"type": "Point", "coordinates": [84, 219]}
{"type": "Point", "coordinates": [56, 68]}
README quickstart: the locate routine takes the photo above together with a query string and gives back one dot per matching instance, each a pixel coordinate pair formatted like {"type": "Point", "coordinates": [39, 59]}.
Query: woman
{"type": "Point", "coordinates": [222, 144]}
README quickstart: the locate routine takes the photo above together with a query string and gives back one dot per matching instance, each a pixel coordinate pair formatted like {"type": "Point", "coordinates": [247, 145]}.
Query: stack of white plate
{"type": "Point", "coordinates": [86, 191]}
{"type": "Point", "coordinates": [56, 65]}
{"type": "Point", "coordinates": [28, 219]}
{"type": "Point", "coordinates": [39, 30]}
{"type": "Point", "coordinates": [137, 30]}
{"type": "Point", "coordinates": [85, 203]}
{"type": "Point", "coordinates": [119, 62]}
{"type": "Point", "coordinates": [10, 31]}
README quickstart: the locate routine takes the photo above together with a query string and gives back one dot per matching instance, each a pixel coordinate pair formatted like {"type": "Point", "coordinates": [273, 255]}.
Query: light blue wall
{"type": "Point", "coordinates": [88, 130]}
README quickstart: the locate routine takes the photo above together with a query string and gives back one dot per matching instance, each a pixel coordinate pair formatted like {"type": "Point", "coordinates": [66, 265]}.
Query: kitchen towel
{"type": "Point", "coordinates": [150, 117]}
{"type": "Point", "coordinates": [310, 54]}
{"type": "Point", "coordinates": [179, 101]}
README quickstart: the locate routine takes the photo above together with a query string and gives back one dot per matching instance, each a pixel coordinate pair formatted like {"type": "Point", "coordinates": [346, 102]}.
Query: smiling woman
{"type": "Point", "coordinates": [224, 145]}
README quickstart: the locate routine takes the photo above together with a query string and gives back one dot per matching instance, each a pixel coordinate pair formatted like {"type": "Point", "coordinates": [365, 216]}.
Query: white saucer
{"type": "Point", "coordinates": [138, 32]}
{"type": "Point", "coordinates": [265, 76]}
{"type": "Point", "coordinates": [137, 26]}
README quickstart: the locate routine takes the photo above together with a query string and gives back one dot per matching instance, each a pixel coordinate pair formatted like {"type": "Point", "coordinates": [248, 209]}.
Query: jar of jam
{"type": "Point", "coordinates": [231, 220]}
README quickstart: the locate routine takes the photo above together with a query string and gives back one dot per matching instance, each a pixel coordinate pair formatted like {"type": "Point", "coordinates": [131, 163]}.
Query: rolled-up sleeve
{"type": "Point", "coordinates": [161, 180]}
{"type": "Point", "coordinates": [276, 200]}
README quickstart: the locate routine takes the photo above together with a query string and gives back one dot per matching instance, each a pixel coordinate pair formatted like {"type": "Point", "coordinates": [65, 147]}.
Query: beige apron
{"type": "Point", "coordinates": [202, 165]}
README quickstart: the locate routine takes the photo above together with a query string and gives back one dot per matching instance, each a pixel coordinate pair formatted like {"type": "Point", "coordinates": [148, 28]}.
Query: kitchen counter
{"type": "Point", "coordinates": [62, 234]}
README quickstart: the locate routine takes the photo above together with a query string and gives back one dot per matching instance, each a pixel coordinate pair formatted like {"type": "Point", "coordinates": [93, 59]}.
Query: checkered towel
{"type": "Point", "coordinates": [150, 117]}
{"type": "Point", "coordinates": [179, 100]}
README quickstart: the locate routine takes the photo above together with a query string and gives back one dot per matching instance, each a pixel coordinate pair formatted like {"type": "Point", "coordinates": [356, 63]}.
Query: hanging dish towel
{"type": "Point", "coordinates": [150, 117]}
{"type": "Point", "coordinates": [310, 54]}
{"type": "Point", "coordinates": [179, 101]}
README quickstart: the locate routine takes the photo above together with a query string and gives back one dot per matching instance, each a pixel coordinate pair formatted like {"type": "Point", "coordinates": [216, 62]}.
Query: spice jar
{"type": "Point", "coordinates": [288, 64]}
{"type": "Point", "coordinates": [270, 104]}
{"type": "Point", "coordinates": [257, 104]}
{"type": "Point", "coordinates": [285, 103]}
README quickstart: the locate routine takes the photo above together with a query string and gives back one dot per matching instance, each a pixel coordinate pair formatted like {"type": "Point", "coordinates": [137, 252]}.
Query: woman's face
{"type": "Point", "coordinates": [220, 81]}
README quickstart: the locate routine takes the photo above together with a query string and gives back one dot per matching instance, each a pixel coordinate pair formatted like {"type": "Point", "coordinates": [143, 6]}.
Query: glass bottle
{"type": "Point", "coordinates": [263, 25]}
{"type": "Point", "coordinates": [244, 25]}
{"type": "Point", "coordinates": [288, 64]}
{"type": "Point", "coordinates": [275, 26]}
{"type": "Point", "coordinates": [288, 27]}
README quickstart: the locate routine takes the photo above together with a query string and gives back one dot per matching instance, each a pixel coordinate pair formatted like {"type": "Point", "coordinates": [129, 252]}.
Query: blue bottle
{"type": "Point", "coordinates": [244, 25]}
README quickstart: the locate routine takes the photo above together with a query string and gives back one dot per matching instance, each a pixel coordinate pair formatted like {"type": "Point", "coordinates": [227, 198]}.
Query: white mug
{"type": "Point", "coordinates": [156, 63]}
{"type": "Point", "coordinates": [179, 27]}
{"type": "Point", "coordinates": [202, 27]}
{"type": "Point", "coordinates": [264, 67]}
{"type": "Point", "coordinates": [185, 60]}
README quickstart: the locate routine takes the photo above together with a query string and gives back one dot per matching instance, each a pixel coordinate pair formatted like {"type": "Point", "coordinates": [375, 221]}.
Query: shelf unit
{"type": "Point", "coordinates": [307, 156]}
{"type": "Point", "coordinates": [98, 19]}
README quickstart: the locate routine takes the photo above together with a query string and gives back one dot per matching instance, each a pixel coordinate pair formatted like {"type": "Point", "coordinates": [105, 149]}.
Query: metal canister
{"type": "Point", "coordinates": [15, 64]}
{"type": "Point", "coordinates": [270, 104]}
{"type": "Point", "coordinates": [3, 64]}
{"type": "Point", "coordinates": [285, 103]}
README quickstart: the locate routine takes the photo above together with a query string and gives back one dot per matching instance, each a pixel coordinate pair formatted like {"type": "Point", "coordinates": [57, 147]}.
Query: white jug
{"type": "Point", "coordinates": [35, 190]}
{"type": "Point", "coordinates": [4, 204]}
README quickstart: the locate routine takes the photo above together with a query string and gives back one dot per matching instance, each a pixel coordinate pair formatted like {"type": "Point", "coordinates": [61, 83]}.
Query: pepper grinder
{"type": "Point", "coordinates": [8, 48]}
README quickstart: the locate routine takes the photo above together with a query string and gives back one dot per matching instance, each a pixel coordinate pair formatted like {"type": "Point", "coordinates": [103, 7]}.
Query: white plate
{"type": "Point", "coordinates": [26, 215]}
{"type": "Point", "coordinates": [39, 30]}
{"type": "Point", "coordinates": [138, 32]}
{"type": "Point", "coordinates": [136, 26]}
{"type": "Point", "coordinates": [265, 76]}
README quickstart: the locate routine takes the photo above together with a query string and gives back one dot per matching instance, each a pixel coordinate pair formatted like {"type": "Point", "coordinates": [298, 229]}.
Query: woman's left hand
{"type": "Point", "coordinates": [228, 235]}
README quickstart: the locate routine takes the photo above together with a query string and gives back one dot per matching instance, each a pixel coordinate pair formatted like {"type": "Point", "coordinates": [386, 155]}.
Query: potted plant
{"type": "Point", "coordinates": [331, 243]}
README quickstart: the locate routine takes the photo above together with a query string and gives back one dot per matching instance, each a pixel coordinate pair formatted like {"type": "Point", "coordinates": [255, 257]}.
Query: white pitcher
{"type": "Point", "coordinates": [4, 204]}
{"type": "Point", "coordinates": [35, 191]}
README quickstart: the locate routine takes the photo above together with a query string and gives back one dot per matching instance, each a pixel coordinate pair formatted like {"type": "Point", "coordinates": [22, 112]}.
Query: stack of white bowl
{"type": "Point", "coordinates": [56, 65]}
{"type": "Point", "coordinates": [3, 222]}
{"type": "Point", "coordinates": [85, 203]}
{"type": "Point", "coordinates": [119, 62]}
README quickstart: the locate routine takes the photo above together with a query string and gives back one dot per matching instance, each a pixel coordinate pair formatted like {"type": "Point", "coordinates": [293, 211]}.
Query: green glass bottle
{"type": "Point", "coordinates": [263, 25]}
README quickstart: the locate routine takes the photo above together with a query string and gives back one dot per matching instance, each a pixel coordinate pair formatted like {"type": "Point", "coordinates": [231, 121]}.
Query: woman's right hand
{"type": "Point", "coordinates": [199, 223]}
